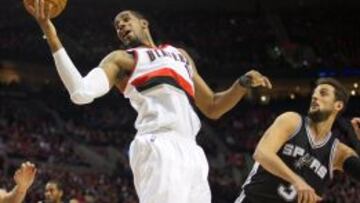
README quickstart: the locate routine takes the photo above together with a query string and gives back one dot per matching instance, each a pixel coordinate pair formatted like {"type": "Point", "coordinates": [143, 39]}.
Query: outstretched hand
{"type": "Point", "coordinates": [39, 9]}
{"type": "Point", "coordinates": [258, 80]}
{"type": "Point", "coordinates": [356, 125]}
{"type": "Point", "coordinates": [25, 175]}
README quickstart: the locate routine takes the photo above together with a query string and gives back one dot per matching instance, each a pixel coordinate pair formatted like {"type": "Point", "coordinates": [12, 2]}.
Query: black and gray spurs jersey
{"type": "Point", "coordinates": [307, 158]}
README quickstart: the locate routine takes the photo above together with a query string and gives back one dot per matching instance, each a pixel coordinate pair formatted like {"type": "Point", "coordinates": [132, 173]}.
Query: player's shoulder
{"type": "Point", "coordinates": [187, 55]}
{"type": "Point", "coordinates": [183, 52]}
{"type": "Point", "coordinates": [122, 57]}
{"type": "Point", "coordinates": [290, 115]}
{"type": "Point", "coordinates": [290, 118]}
{"type": "Point", "coordinates": [120, 53]}
{"type": "Point", "coordinates": [181, 49]}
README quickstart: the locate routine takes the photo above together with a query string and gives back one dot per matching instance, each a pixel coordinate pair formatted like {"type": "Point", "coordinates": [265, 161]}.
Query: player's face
{"type": "Point", "coordinates": [323, 103]}
{"type": "Point", "coordinates": [52, 193]}
{"type": "Point", "coordinates": [129, 28]}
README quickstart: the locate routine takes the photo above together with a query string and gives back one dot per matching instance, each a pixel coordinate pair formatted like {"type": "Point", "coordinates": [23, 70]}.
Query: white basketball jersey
{"type": "Point", "coordinates": [161, 90]}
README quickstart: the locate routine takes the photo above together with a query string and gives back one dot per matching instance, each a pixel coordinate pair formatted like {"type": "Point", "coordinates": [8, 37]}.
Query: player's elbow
{"type": "Point", "coordinates": [212, 114]}
{"type": "Point", "coordinates": [259, 155]}
{"type": "Point", "coordinates": [256, 155]}
{"type": "Point", "coordinates": [81, 98]}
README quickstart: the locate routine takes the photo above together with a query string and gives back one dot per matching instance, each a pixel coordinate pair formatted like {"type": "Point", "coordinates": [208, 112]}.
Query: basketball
{"type": "Point", "coordinates": [56, 6]}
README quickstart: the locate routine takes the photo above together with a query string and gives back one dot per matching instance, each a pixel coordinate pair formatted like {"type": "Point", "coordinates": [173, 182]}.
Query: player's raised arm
{"type": "Point", "coordinates": [24, 178]}
{"type": "Point", "coordinates": [40, 11]}
{"type": "Point", "coordinates": [98, 81]}
{"type": "Point", "coordinates": [215, 104]}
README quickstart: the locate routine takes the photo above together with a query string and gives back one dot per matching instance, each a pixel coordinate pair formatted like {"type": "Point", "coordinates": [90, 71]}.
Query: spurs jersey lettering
{"type": "Point", "coordinates": [311, 161]}
{"type": "Point", "coordinates": [160, 89]}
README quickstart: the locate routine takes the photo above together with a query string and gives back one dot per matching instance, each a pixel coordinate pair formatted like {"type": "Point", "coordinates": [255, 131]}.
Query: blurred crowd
{"type": "Point", "coordinates": [217, 41]}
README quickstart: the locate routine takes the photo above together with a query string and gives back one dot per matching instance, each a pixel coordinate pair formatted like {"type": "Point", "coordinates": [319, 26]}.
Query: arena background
{"type": "Point", "coordinates": [294, 42]}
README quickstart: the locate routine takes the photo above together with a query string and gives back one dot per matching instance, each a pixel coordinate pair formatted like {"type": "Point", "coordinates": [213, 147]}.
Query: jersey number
{"type": "Point", "coordinates": [287, 193]}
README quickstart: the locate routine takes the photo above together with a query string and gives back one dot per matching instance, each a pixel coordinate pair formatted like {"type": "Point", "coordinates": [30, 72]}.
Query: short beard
{"type": "Point", "coordinates": [319, 116]}
{"type": "Point", "coordinates": [133, 44]}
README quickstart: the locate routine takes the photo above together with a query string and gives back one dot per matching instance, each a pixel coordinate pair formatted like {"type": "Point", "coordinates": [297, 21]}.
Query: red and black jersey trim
{"type": "Point", "coordinates": [136, 60]}
{"type": "Point", "coordinates": [163, 76]}
{"type": "Point", "coordinates": [153, 82]}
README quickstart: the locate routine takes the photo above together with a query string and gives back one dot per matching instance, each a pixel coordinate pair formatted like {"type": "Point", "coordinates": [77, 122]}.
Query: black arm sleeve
{"type": "Point", "coordinates": [352, 167]}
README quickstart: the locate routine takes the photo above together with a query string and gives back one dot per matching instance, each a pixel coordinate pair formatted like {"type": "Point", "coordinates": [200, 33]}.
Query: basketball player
{"type": "Point", "coordinates": [53, 192]}
{"type": "Point", "coordinates": [161, 82]}
{"type": "Point", "coordinates": [297, 155]}
{"type": "Point", "coordinates": [24, 178]}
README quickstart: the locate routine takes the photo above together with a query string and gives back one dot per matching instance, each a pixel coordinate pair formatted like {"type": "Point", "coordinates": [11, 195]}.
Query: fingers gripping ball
{"type": "Point", "coordinates": [54, 7]}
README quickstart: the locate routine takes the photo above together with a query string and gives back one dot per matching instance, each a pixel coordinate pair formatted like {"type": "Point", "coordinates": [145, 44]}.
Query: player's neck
{"type": "Point", "coordinates": [321, 129]}
{"type": "Point", "coordinates": [150, 44]}
{"type": "Point", "coordinates": [148, 41]}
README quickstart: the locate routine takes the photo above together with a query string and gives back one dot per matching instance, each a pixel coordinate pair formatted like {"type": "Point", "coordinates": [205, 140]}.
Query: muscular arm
{"type": "Point", "coordinates": [98, 81]}
{"type": "Point", "coordinates": [275, 137]}
{"type": "Point", "coordinates": [214, 105]}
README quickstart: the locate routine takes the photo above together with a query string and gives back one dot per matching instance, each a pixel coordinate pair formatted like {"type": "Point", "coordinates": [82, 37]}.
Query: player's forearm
{"type": "Point", "coordinates": [273, 164]}
{"type": "Point", "coordinates": [51, 36]}
{"type": "Point", "coordinates": [17, 195]}
{"type": "Point", "coordinates": [226, 100]}
{"type": "Point", "coordinates": [53, 42]}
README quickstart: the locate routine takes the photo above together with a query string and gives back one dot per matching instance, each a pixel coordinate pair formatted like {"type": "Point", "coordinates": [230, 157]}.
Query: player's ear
{"type": "Point", "coordinates": [144, 23]}
{"type": "Point", "coordinates": [61, 193]}
{"type": "Point", "coordinates": [339, 105]}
